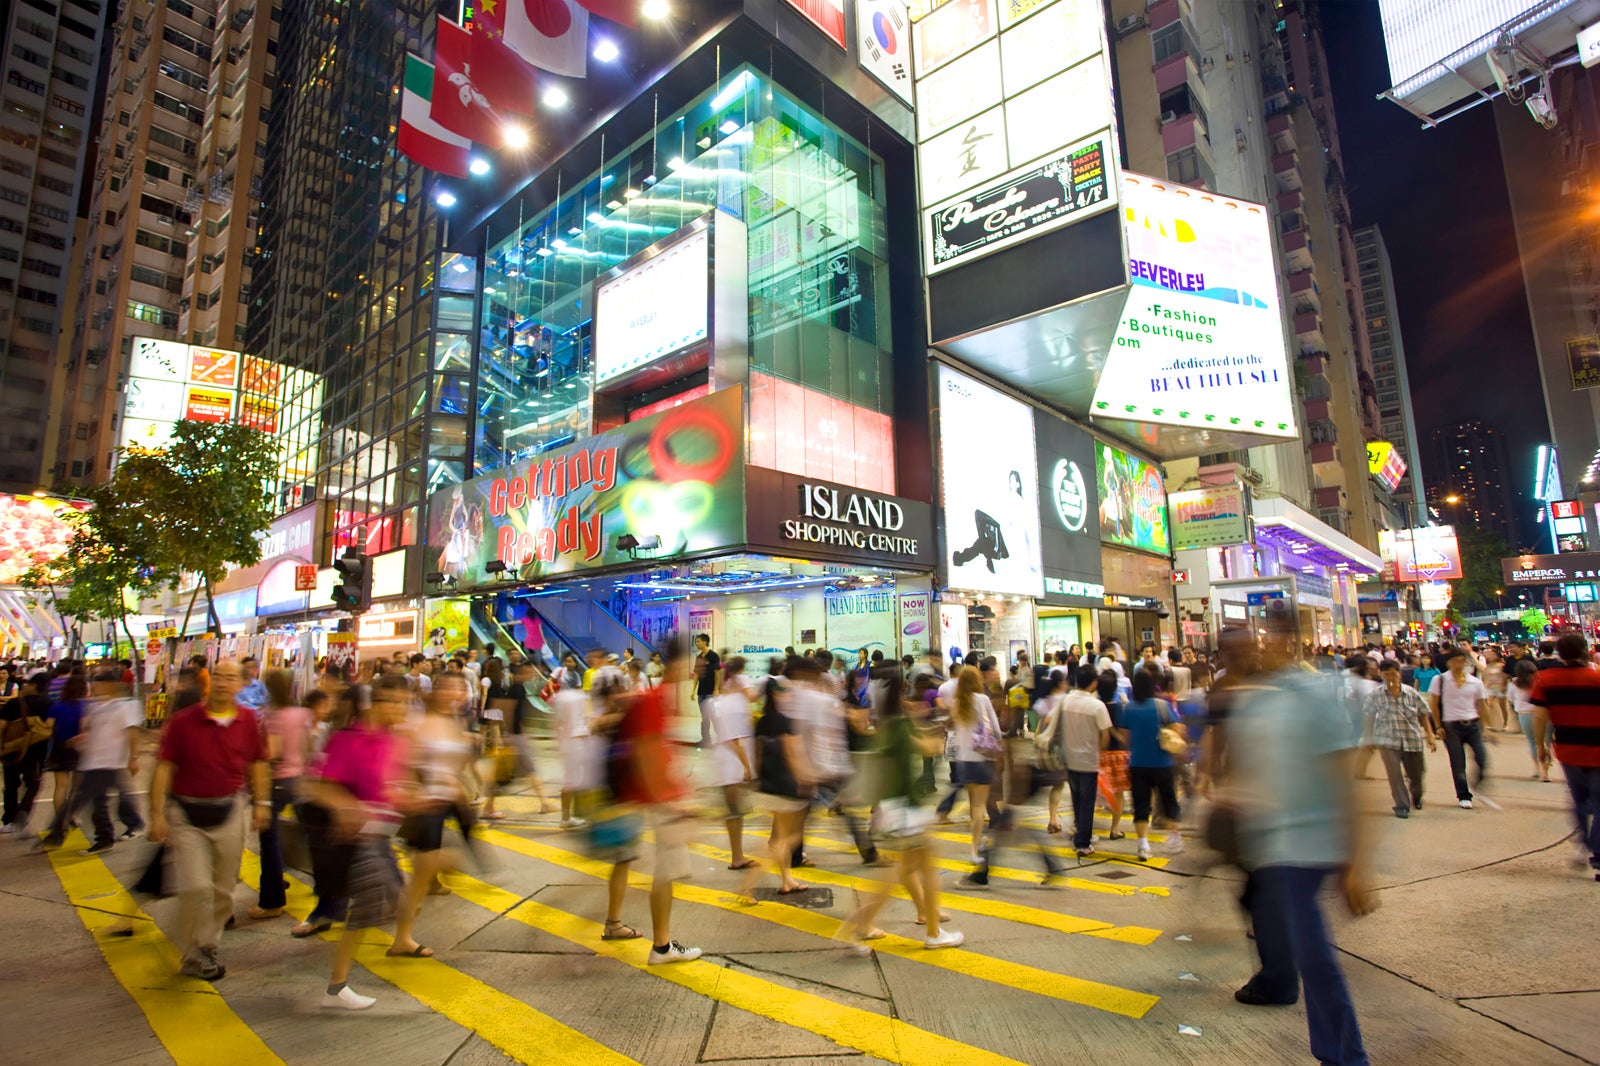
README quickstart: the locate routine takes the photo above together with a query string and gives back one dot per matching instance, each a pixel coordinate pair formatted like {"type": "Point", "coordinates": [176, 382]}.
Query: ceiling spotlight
{"type": "Point", "coordinates": [704, 142]}
{"type": "Point", "coordinates": [630, 194]}
{"type": "Point", "coordinates": [555, 96]}
{"type": "Point", "coordinates": [558, 243]}
{"type": "Point", "coordinates": [514, 136]}
{"type": "Point", "coordinates": [728, 127]}
{"type": "Point", "coordinates": [444, 198]}
{"type": "Point", "coordinates": [655, 9]}
{"type": "Point", "coordinates": [546, 251]}
{"type": "Point", "coordinates": [573, 231]}
{"type": "Point", "coordinates": [596, 217]}
{"type": "Point", "coordinates": [675, 163]}
{"type": "Point", "coordinates": [495, 566]}
{"type": "Point", "coordinates": [479, 167]}
{"type": "Point", "coordinates": [606, 50]}
{"type": "Point", "coordinates": [648, 179]}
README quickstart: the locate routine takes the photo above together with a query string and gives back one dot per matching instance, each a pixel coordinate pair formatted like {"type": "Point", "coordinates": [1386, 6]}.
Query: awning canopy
{"type": "Point", "coordinates": [1298, 533]}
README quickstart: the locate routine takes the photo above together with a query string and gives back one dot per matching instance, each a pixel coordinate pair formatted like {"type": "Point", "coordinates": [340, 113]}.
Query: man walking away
{"type": "Point", "coordinates": [206, 751]}
{"type": "Point", "coordinates": [1086, 731]}
{"type": "Point", "coordinates": [1458, 699]}
{"type": "Point", "coordinates": [1398, 723]}
{"type": "Point", "coordinates": [1571, 693]}
{"type": "Point", "coordinates": [106, 747]}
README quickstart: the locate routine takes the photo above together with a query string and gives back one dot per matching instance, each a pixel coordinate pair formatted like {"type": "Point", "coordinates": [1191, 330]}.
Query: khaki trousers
{"type": "Point", "coordinates": [205, 867]}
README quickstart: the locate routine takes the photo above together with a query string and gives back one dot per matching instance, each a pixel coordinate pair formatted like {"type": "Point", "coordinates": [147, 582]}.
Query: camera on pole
{"type": "Point", "coordinates": [353, 593]}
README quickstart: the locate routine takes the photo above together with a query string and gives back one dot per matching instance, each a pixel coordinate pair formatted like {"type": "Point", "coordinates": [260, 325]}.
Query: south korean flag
{"type": "Point", "coordinates": [883, 30]}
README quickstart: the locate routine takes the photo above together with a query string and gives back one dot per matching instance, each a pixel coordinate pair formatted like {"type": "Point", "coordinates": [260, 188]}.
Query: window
{"type": "Point", "coordinates": [184, 76]}
{"type": "Point", "coordinates": [36, 29]}
{"type": "Point", "coordinates": [26, 84]}
{"type": "Point", "coordinates": [1189, 167]}
{"type": "Point", "coordinates": [42, 5]}
{"type": "Point", "coordinates": [1170, 40]}
{"type": "Point", "coordinates": [74, 80]}
{"type": "Point", "coordinates": [42, 266]}
{"type": "Point", "coordinates": [31, 114]}
{"type": "Point", "coordinates": [77, 27]}
{"type": "Point", "coordinates": [157, 241]}
{"type": "Point", "coordinates": [184, 41]}
{"type": "Point", "coordinates": [28, 55]}
{"type": "Point", "coordinates": [56, 185]}
{"type": "Point", "coordinates": [177, 107]}
{"type": "Point", "coordinates": [37, 325]}
{"type": "Point", "coordinates": [82, 432]}
{"type": "Point", "coordinates": [157, 316]}
{"type": "Point", "coordinates": [172, 140]}
{"type": "Point", "coordinates": [55, 214]}
{"type": "Point", "coordinates": [156, 278]}
{"type": "Point", "coordinates": [164, 208]}
{"type": "Point", "coordinates": [49, 240]}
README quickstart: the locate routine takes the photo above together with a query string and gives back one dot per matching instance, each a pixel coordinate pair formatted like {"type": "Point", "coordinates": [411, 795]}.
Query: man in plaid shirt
{"type": "Point", "coordinates": [1398, 723]}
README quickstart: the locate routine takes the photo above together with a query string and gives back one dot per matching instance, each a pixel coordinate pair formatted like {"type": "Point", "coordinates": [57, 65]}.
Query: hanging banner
{"type": "Point", "coordinates": [1583, 360]}
{"type": "Point", "coordinates": [342, 661]}
{"type": "Point", "coordinates": [861, 618]}
{"type": "Point", "coordinates": [764, 630]}
{"type": "Point", "coordinates": [447, 625]}
{"type": "Point", "coordinates": [1212, 517]}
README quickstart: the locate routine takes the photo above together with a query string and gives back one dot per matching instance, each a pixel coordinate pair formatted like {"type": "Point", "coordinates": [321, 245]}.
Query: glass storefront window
{"type": "Point", "coordinates": [813, 202]}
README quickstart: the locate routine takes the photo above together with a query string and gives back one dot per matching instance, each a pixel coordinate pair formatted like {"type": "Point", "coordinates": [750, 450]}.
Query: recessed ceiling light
{"type": "Point", "coordinates": [704, 142]}
{"type": "Point", "coordinates": [558, 243]}
{"type": "Point", "coordinates": [546, 251]}
{"type": "Point", "coordinates": [479, 167]}
{"type": "Point", "coordinates": [648, 179]}
{"type": "Point", "coordinates": [514, 136]}
{"type": "Point", "coordinates": [612, 205]}
{"type": "Point", "coordinates": [555, 96]}
{"type": "Point", "coordinates": [729, 126]}
{"type": "Point", "coordinates": [595, 216]}
{"type": "Point", "coordinates": [606, 50]}
{"type": "Point", "coordinates": [574, 230]}
{"type": "Point", "coordinates": [675, 163]}
{"type": "Point", "coordinates": [630, 194]}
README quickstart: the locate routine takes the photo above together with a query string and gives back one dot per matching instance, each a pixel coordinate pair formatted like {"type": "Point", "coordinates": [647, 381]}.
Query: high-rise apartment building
{"type": "Point", "coordinates": [1553, 177]}
{"type": "Point", "coordinates": [173, 203]}
{"type": "Point", "coordinates": [51, 66]}
{"type": "Point", "coordinates": [1399, 425]}
{"type": "Point", "coordinates": [1470, 478]}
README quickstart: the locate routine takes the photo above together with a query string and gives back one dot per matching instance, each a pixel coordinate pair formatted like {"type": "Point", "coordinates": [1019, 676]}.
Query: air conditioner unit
{"type": "Point", "coordinates": [1129, 23]}
{"type": "Point", "coordinates": [1168, 117]}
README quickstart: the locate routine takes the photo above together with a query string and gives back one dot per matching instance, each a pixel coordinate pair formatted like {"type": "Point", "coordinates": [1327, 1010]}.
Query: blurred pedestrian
{"type": "Point", "coordinates": [289, 728]}
{"type": "Point", "coordinates": [1151, 770]}
{"type": "Point", "coordinates": [27, 729]}
{"type": "Point", "coordinates": [1570, 693]}
{"type": "Point", "coordinates": [1398, 724]}
{"type": "Point", "coordinates": [1458, 699]}
{"type": "Point", "coordinates": [1533, 719]}
{"type": "Point", "coordinates": [206, 752]}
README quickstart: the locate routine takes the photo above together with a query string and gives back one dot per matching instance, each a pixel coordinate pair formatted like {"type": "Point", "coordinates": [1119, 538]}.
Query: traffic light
{"type": "Point", "coordinates": [354, 591]}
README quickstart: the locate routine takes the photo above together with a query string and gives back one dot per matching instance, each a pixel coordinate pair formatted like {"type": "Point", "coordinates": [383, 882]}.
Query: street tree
{"type": "Point", "coordinates": [213, 502]}
{"type": "Point", "coordinates": [1535, 621]}
{"type": "Point", "coordinates": [1481, 552]}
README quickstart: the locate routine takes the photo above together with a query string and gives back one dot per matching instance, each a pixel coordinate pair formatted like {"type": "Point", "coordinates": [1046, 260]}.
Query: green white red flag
{"type": "Point", "coordinates": [422, 139]}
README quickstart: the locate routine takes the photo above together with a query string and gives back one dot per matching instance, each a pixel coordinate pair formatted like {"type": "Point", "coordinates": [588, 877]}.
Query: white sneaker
{"type": "Point", "coordinates": [947, 939]}
{"type": "Point", "coordinates": [1466, 805]}
{"type": "Point", "coordinates": [1144, 849]}
{"type": "Point", "coordinates": [1174, 844]}
{"type": "Point", "coordinates": [347, 998]}
{"type": "Point", "coordinates": [573, 823]}
{"type": "Point", "coordinates": [8, 828]}
{"type": "Point", "coordinates": [675, 952]}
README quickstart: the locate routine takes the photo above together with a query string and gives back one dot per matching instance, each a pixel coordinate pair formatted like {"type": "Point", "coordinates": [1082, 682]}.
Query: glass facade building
{"type": "Point", "coordinates": [813, 200]}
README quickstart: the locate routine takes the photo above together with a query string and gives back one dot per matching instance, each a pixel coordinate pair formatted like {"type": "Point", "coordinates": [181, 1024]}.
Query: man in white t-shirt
{"type": "Point", "coordinates": [106, 747]}
{"type": "Point", "coordinates": [1084, 725]}
{"type": "Point", "coordinates": [1457, 699]}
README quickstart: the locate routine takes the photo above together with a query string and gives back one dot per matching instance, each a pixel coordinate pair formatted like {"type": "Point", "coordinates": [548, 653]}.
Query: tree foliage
{"type": "Point", "coordinates": [1481, 552]}
{"type": "Point", "coordinates": [1534, 621]}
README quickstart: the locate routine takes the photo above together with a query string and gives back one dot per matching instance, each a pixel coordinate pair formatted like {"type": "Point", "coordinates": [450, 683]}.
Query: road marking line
{"type": "Point", "coordinates": [508, 1023]}
{"type": "Point", "coordinates": [965, 866]}
{"type": "Point", "coordinates": [1153, 863]}
{"type": "Point", "coordinates": [874, 1034]}
{"type": "Point", "coordinates": [985, 968]}
{"type": "Point", "coordinates": [990, 908]}
{"type": "Point", "coordinates": [190, 1018]}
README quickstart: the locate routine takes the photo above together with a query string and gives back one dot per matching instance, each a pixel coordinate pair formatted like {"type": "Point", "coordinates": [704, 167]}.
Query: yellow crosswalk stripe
{"type": "Point", "coordinates": [880, 1036]}
{"type": "Point", "coordinates": [1155, 862]}
{"type": "Point", "coordinates": [990, 908]}
{"type": "Point", "coordinates": [999, 971]}
{"type": "Point", "coordinates": [506, 1022]}
{"type": "Point", "coordinates": [1005, 873]}
{"type": "Point", "coordinates": [192, 1021]}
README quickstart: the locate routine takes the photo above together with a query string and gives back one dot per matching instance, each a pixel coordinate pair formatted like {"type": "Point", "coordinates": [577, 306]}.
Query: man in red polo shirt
{"type": "Point", "coordinates": [206, 750]}
{"type": "Point", "coordinates": [1571, 693]}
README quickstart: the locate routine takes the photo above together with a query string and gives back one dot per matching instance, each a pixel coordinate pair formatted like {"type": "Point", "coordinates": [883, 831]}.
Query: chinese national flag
{"type": "Point", "coordinates": [459, 104]}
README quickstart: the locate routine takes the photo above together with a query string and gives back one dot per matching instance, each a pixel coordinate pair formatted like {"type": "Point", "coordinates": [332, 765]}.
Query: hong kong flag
{"type": "Point", "coordinates": [459, 103]}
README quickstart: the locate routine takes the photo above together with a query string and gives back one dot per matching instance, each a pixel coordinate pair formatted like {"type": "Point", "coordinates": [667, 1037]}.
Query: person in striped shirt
{"type": "Point", "coordinates": [1570, 692]}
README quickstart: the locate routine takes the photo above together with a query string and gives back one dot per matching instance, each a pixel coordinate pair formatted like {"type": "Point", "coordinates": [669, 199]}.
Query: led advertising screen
{"type": "Point", "coordinates": [1425, 553]}
{"type": "Point", "coordinates": [33, 532]}
{"type": "Point", "coordinates": [1133, 501]}
{"type": "Point", "coordinates": [1200, 342]}
{"type": "Point", "coordinates": [657, 308]}
{"type": "Point", "coordinates": [673, 481]}
{"type": "Point", "coordinates": [991, 488]}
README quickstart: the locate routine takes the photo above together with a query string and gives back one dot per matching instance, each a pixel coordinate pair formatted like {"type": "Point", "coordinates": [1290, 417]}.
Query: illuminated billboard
{"type": "Point", "coordinates": [1425, 553]}
{"type": "Point", "coordinates": [33, 532]}
{"type": "Point", "coordinates": [1384, 464]}
{"type": "Point", "coordinates": [1200, 341]}
{"type": "Point", "coordinates": [171, 382]}
{"type": "Point", "coordinates": [1133, 501]}
{"type": "Point", "coordinates": [991, 489]}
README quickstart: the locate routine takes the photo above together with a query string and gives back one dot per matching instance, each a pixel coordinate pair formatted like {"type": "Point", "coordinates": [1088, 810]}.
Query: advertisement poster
{"type": "Point", "coordinates": [1069, 505]}
{"type": "Point", "coordinates": [1200, 341]}
{"type": "Point", "coordinates": [1583, 359]}
{"type": "Point", "coordinates": [1058, 634]}
{"type": "Point", "coordinates": [1211, 517]}
{"type": "Point", "coordinates": [677, 476]}
{"type": "Point", "coordinates": [657, 623]}
{"type": "Point", "coordinates": [446, 626]}
{"type": "Point", "coordinates": [764, 630]}
{"type": "Point", "coordinates": [211, 366]}
{"type": "Point", "coordinates": [860, 618]}
{"type": "Point", "coordinates": [953, 630]}
{"type": "Point", "coordinates": [342, 658]}
{"type": "Point", "coordinates": [1133, 501]}
{"type": "Point", "coordinates": [991, 488]}
{"type": "Point", "coordinates": [916, 635]}
{"type": "Point", "coordinates": [1385, 464]}
{"type": "Point", "coordinates": [702, 621]}
{"type": "Point", "coordinates": [1425, 553]}
{"type": "Point", "coordinates": [207, 405]}
{"type": "Point", "coordinates": [34, 531]}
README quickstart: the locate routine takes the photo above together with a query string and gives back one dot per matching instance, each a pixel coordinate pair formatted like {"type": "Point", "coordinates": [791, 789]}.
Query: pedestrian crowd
{"type": "Point", "coordinates": [395, 753]}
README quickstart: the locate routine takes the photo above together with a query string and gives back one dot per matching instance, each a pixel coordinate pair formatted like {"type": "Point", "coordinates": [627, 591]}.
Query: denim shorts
{"type": "Point", "coordinates": [976, 772]}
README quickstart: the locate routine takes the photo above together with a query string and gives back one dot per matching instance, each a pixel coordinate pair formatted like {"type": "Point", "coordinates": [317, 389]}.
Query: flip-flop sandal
{"type": "Point", "coordinates": [305, 929]}
{"type": "Point", "coordinates": [798, 888]}
{"type": "Point", "coordinates": [944, 916]}
{"type": "Point", "coordinates": [618, 931]}
{"type": "Point", "coordinates": [418, 952]}
{"type": "Point", "coordinates": [747, 864]}
{"type": "Point", "coordinates": [873, 934]}
{"type": "Point", "coordinates": [802, 862]}
{"type": "Point", "coordinates": [1117, 836]}
{"type": "Point", "coordinates": [1052, 829]}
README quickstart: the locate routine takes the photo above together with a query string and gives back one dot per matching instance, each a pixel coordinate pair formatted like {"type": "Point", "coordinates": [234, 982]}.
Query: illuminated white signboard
{"type": "Point", "coordinates": [657, 308]}
{"type": "Point", "coordinates": [1200, 341]}
{"type": "Point", "coordinates": [1015, 124]}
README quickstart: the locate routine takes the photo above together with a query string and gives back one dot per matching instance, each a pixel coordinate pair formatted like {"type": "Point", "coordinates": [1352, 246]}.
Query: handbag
{"type": "Point", "coordinates": [984, 742]}
{"type": "Point", "coordinates": [1171, 741]}
{"type": "Point", "coordinates": [504, 759]}
{"type": "Point", "coordinates": [897, 818]}
{"type": "Point", "coordinates": [1048, 755]}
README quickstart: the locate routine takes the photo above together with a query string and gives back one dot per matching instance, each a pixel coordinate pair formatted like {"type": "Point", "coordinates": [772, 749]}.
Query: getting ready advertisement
{"type": "Point", "coordinates": [991, 488]}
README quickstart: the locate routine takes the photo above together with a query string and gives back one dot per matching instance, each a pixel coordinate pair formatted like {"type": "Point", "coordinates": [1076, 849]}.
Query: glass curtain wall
{"type": "Point", "coordinates": [813, 201]}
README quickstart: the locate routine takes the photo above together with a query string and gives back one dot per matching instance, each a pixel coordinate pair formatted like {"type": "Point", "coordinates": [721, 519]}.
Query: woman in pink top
{"type": "Point", "coordinates": [288, 728]}
{"type": "Point", "coordinates": [363, 781]}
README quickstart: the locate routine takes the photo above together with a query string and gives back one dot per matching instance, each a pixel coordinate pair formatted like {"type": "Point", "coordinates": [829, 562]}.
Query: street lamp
{"type": "Point", "coordinates": [1499, 601]}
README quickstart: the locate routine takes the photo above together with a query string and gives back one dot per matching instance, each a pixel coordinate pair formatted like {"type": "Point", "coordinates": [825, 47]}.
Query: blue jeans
{"type": "Point", "coordinates": [1295, 949]}
{"type": "Point", "coordinates": [1584, 784]}
{"type": "Point", "coordinates": [270, 894]}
